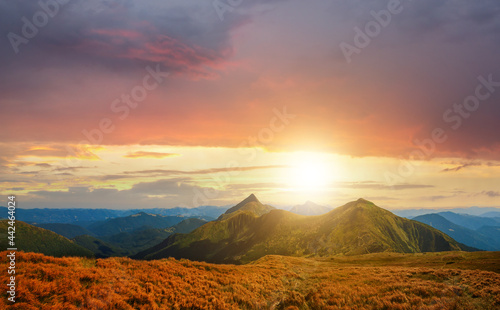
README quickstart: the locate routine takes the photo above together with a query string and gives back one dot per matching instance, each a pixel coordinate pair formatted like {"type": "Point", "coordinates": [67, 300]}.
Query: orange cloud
{"type": "Point", "coordinates": [139, 154]}
{"type": "Point", "coordinates": [59, 151]}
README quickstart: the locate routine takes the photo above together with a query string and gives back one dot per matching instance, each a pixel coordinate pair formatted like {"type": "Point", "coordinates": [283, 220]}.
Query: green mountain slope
{"type": "Point", "coordinates": [358, 227]}
{"type": "Point", "coordinates": [138, 240]}
{"type": "Point", "coordinates": [30, 238]}
{"type": "Point", "coordinates": [100, 248]}
{"type": "Point", "coordinates": [188, 225]}
{"type": "Point", "coordinates": [130, 243]}
{"type": "Point", "coordinates": [66, 230]}
{"type": "Point", "coordinates": [141, 239]}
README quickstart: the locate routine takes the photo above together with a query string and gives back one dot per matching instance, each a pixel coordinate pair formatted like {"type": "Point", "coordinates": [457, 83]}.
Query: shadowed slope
{"type": "Point", "coordinates": [30, 238]}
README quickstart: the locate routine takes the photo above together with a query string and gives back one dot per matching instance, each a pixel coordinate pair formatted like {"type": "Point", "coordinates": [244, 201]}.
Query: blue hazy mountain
{"type": "Point", "coordinates": [85, 217]}
{"type": "Point", "coordinates": [481, 239]}
{"type": "Point", "coordinates": [469, 221]}
{"type": "Point", "coordinates": [141, 220]}
{"type": "Point", "coordinates": [310, 208]}
{"type": "Point", "coordinates": [495, 214]}
{"type": "Point", "coordinates": [477, 211]}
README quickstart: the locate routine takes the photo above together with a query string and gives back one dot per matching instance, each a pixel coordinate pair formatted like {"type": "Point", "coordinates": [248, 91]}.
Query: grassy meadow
{"type": "Point", "coordinates": [449, 280]}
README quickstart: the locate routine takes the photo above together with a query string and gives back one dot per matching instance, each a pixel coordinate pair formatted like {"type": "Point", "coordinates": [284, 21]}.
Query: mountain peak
{"type": "Point", "coordinates": [251, 198]}
{"type": "Point", "coordinates": [363, 202]}
{"type": "Point", "coordinates": [254, 230]}
{"type": "Point", "coordinates": [245, 201]}
{"type": "Point", "coordinates": [251, 203]}
{"type": "Point", "coordinates": [363, 205]}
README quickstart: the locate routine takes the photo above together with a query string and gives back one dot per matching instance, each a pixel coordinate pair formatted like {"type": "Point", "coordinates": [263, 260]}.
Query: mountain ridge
{"type": "Point", "coordinates": [141, 220]}
{"type": "Point", "coordinates": [475, 238]}
{"type": "Point", "coordinates": [358, 227]}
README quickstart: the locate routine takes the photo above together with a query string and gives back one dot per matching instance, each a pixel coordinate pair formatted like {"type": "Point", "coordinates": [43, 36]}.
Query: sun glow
{"type": "Point", "coordinates": [310, 172]}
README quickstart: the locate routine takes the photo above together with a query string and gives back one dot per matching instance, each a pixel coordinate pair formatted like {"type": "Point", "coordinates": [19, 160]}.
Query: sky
{"type": "Point", "coordinates": [142, 104]}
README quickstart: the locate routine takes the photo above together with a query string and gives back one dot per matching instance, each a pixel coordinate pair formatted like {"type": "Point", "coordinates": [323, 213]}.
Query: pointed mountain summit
{"type": "Point", "coordinates": [250, 204]}
{"type": "Point", "coordinates": [358, 227]}
{"type": "Point", "coordinates": [240, 205]}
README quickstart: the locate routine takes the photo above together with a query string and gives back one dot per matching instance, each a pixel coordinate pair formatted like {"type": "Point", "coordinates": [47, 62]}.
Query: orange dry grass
{"type": "Point", "coordinates": [274, 282]}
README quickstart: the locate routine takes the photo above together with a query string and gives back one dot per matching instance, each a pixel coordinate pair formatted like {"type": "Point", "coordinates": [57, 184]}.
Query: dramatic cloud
{"type": "Point", "coordinates": [386, 102]}
{"type": "Point", "coordinates": [111, 96]}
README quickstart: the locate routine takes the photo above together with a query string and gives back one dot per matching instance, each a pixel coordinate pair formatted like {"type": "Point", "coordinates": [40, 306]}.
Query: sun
{"type": "Point", "coordinates": [310, 172]}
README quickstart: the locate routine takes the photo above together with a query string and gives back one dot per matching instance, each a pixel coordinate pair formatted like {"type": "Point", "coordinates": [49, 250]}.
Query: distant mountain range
{"type": "Point", "coordinates": [141, 220]}
{"type": "Point", "coordinates": [125, 235]}
{"type": "Point", "coordinates": [470, 221]}
{"type": "Point", "coordinates": [309, 208]}
{"type": "Point", "coordinates": [477, 211]}
{"type": "Point", "coordinates": [479, 232]}
{"type": "Point", "coordinates": [495, 214]}
{"type": "Point", "coordinates": [250, 230]}
{"type": "Point", "coordinates": [84, 217]}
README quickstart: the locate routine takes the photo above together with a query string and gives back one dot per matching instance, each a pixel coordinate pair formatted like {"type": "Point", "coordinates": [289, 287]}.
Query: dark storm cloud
{"type": "Point", "coordinates": [115, 35]}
